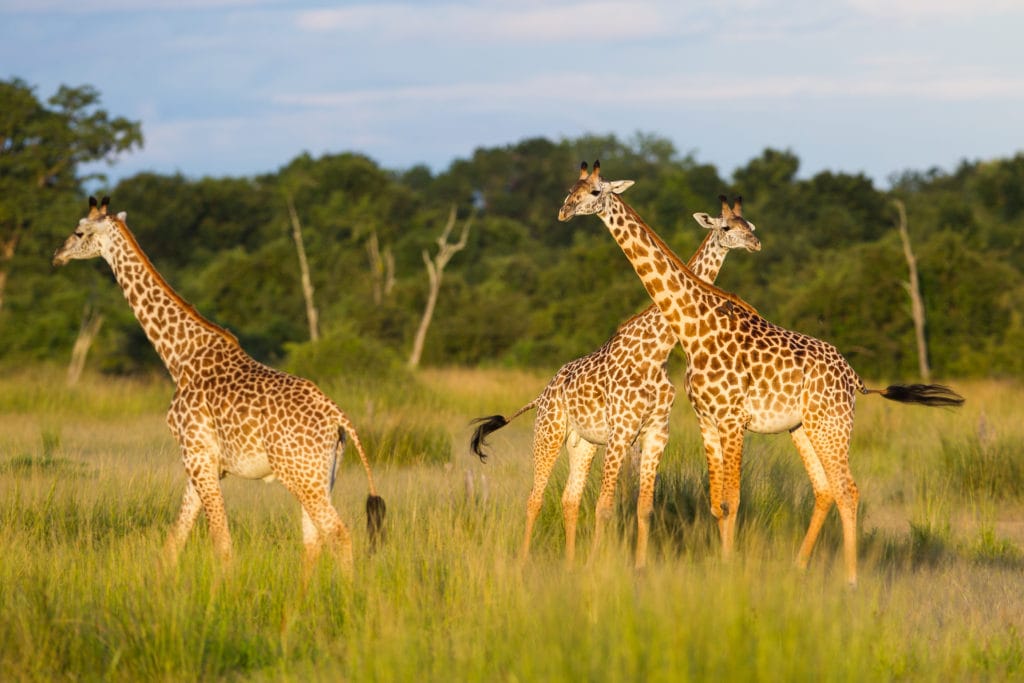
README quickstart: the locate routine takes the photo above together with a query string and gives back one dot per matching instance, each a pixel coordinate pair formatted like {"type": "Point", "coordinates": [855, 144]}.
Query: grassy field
{"type": "Point", "coordinates": [90, 481]}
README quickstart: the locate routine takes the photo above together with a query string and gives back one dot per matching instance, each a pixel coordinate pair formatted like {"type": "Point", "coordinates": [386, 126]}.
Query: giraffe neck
{"type": "Point", "coordinates": [171, 324]}
{"type": "Point", "coordinates": [707, 261]}
{"type": "Point", "coordinates": [651, 326]}
{"type": "Point", "coordinates": [679, 294]}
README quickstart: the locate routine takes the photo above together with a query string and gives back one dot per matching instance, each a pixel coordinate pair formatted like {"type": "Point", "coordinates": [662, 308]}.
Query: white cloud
{"type": "Point", "coordinates": [679, 91]}
{"type": "Point", "coordinates": [935, 9]}
{"type": "Point", "coordinates": [596, 21]}
{"type": "Point", "coordinates": [541, 87]}
{"type": "Point", "coordinates": [123, 6]}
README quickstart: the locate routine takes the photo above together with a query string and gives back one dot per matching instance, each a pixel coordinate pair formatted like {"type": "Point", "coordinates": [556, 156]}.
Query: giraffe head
{"type": "Point", "coordinates": [91, 237]}
{"type": "Point", "coordinates": [591, 193]}
{"type": "Point", "coordinates": [731, 229]}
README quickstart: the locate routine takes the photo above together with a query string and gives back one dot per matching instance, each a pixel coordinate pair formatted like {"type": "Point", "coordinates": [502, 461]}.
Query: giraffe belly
{"type": "Point", "coordinates": [249, 466]}
{"type": "Point", "coordinates": [593, 431]}
{"type": "Point", "coordinates": [772, 417]}
{"type": "Point", "coordinates": [772, 423]}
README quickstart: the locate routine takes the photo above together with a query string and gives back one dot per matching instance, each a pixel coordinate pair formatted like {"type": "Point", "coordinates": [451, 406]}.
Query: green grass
{"type": "Point", "coordinates": [88, 492]}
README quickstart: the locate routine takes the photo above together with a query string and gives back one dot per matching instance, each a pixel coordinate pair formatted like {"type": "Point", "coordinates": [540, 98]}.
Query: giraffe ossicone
{"type": "Point", "coordinates": [230, 414]}
{"type": "Point", "coordinates": [745, 373]}
{"type": "Point", "coordinates": [616, 396]}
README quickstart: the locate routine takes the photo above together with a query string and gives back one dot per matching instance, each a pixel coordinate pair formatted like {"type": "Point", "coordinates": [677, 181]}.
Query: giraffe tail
{"type": "Point", "coordinates": [488, 425]}
{"type": "Point", "coordinates": [375, 507]}
{"type": "Point", "coordinates": [932, 395]}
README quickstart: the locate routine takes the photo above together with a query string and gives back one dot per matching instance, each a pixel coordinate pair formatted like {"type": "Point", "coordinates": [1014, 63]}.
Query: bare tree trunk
{"type": "Point", "coordinates": [7, 247]}
{"type": "Point", "coordinates": [428, 312]}
{"type": "Point", "coordinates": [91, 324]}
{"type": "Point", "coordinates": [913, 288]}
{"type": "Point", "coordinates": [3, 285]}
{"type": "Point", "coordinates": [435, 270]}
{"type": "Point", "coordinates": [382, 269]}
{"type": "Point", "coordinates": [307, 286]}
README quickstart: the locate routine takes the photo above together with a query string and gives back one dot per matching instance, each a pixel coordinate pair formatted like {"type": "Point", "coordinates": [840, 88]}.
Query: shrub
{"type": "Point", "coordinates": [344, 353]}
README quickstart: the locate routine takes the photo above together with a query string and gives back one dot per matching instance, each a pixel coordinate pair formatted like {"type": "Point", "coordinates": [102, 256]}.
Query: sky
{"type": "Point", "coordinates": [241, 87]}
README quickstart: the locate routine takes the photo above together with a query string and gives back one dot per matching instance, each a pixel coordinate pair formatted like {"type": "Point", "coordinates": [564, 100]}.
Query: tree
{"type": "Point", "coordinates": [382, 268]}
{"type": "Point", "coordinates": [91, 324]}
{"type": "Point", "coordinates": [913, 287]}
{"type": "Point", "coordinates": [312, 316]}
{"type": "Point", "coordinates": [528, 290]}
{"type": "Point", "coordinates": [435, 270]}
{"type": "Point", "coordinates": [41, 148]}
{"type": "Point", "coordinates": [772, 172]}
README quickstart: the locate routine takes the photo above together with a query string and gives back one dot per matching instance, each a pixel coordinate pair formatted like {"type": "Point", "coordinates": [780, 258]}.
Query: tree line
{"type": "Point", "coordinates": [522, 289]}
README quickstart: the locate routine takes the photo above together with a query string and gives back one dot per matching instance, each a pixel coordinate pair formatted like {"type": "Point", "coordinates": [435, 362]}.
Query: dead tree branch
{"type": "Point", "coordinates": [307, 285]}
{"type": "Point", "coordinates": [90, 327]}
{"type": "Point", "coordinates": [913, 288]}
{"type": "Point", "coordinates": [435, 271]}
{"type": "Point", "coordinates": [382, 269]}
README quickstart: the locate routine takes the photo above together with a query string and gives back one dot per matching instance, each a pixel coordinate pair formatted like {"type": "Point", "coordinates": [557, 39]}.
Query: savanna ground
{"type": "Point", "coordinates": [90, 481]}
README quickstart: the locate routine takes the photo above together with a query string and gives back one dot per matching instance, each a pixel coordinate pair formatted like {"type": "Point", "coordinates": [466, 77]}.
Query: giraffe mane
{"type": "Point", "coordinates": [186, 306]}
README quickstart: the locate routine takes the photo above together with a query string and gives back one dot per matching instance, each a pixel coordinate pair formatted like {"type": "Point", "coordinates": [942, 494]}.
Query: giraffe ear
{"type": "Point", "coordinates": [620, 186]}
{"type": "Point", "coordinates": [705, 221]}
{"type": "Point", "coordinates": [122, 216]}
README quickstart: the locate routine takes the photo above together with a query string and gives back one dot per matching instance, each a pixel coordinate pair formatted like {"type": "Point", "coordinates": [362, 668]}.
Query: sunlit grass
{"type": "Point", "coordinates": [87, 494]}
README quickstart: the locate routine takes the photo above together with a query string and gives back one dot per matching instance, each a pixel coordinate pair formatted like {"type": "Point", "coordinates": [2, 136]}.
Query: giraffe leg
{"type": "Point", "coordinates": [310, 484]}
{"type": "Point", "coordinates": [830, 439]}
{"type": "Point", "coordinates": [312, 541]}
{"type": "Point", "coordinates": [654, 441]}
{"type": "Point", "coordinates": [619, 441]}
{"type": "Point", "coordinates": [731, 434]}
{"type": "Point", "coordinates": [548, 434]}
{"type": "Point", "coordinates": [822, 494]}
{"type": "Point", "coordinates": [716, 469]}
{"type": "Point", "coordinates": [581, 455]}
{"type": "Point", "coordinates": [191, 506]}
{"type": "Point", "coordinates": [200, 455]}
{"type": "Point", "coordinates": [325, 520]}
{"type": "Point", "coordinates": [207, 484]}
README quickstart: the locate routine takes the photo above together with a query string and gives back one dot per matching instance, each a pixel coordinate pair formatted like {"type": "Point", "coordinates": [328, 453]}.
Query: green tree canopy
{"type": "Point", "coordinates": [42, 148]}
{"type": "Point", "coordinates": [527, 289]}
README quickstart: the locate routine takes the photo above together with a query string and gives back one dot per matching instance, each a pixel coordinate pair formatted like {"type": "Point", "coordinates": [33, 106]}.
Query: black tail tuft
{"type": "Point", "coordinates": [924, 394]}
{"type": "Point", "coordinates": [375, 511]}
{"type": "Point", "coordinates": [487, 426]}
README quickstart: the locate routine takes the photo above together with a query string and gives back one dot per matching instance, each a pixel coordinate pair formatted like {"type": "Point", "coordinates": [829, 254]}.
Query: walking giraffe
{"type": "Point", "coordinates": [745, 373]}
{"type": "Point", "coordinates": [230, 414]}
{"type": "Point", "coordinates": [617, 396]}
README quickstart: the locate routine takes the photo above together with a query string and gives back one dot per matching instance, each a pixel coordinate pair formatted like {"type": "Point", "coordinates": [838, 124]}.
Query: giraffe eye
{"type": "Point", "coordinates": [595, 193]}
{"type": "Point", "coordinates": [79, 233]}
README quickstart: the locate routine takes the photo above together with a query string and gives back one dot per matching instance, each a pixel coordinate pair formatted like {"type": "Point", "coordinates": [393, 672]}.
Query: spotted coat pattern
{"type": "Point", "coordinates": [230, 414]}
{"type": "Point", "coordinates": [618, 396]}
{"type": "Point", "coordinates": [743, 373]}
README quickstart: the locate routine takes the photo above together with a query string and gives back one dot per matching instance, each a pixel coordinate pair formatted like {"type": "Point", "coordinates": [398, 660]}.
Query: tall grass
{"type": "Point", "coordinates": [87, 494]}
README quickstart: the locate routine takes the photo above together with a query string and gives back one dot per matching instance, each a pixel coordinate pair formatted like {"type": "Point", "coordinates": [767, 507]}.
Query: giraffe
{"type": "Point", "coordinates": [617, 396]}
{"type": "Point", "coordinates": [745, 373]}
{"type": "Point", "coordinates": [230, 414]}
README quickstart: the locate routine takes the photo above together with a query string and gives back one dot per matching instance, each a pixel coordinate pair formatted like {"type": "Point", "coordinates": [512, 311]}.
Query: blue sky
{"type": "Point", "coordinates": [240, 87]}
